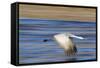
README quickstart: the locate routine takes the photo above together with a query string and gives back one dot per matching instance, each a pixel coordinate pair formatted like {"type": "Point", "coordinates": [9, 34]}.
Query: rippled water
{"type": "Point", "coordinates": [32, 48]}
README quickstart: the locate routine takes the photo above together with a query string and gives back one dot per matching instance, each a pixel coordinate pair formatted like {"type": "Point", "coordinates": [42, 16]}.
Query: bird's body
{"type": "Point", "coordinates": [65, 41]}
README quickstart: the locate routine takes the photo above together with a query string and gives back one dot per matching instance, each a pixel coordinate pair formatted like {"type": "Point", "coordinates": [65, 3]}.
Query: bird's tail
{"type": "Point", "coordinates": [71, 51]}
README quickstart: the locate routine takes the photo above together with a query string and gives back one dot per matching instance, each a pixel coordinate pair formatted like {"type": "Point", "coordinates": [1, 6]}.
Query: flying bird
{"type": "Point", "coordinates": [65, 41]}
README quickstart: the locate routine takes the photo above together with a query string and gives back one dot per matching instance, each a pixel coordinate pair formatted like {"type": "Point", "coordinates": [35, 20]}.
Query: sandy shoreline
{"type": "Point", "coordinates": [55, 12]}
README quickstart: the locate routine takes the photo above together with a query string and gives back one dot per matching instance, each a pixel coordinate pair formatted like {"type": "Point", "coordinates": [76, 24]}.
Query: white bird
{"type": "Point", "coordinates": [65, 41]}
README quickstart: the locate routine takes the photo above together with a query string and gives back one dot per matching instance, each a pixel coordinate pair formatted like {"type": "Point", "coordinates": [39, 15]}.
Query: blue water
{"type": "Point", "coordinates": [32, 48]}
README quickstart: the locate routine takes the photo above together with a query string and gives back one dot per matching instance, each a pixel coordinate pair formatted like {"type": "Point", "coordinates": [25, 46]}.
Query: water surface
{"type": "Point", "coordinates": [32, 48]}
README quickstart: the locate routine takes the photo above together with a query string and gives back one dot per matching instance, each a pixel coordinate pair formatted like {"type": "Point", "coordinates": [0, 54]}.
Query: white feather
{"type": "Point", "coordinates": [78, 37]}
{"type": "Point", "coordinates": [65, 42]}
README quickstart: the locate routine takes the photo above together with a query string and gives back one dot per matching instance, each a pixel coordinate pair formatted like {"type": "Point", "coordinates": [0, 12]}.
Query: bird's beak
{"type": "Point", "coordinates": [78, 37]}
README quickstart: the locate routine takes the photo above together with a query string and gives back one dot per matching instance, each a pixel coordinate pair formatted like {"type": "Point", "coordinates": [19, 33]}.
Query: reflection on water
{"type": "Point", "coordinates": [33, 32]}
